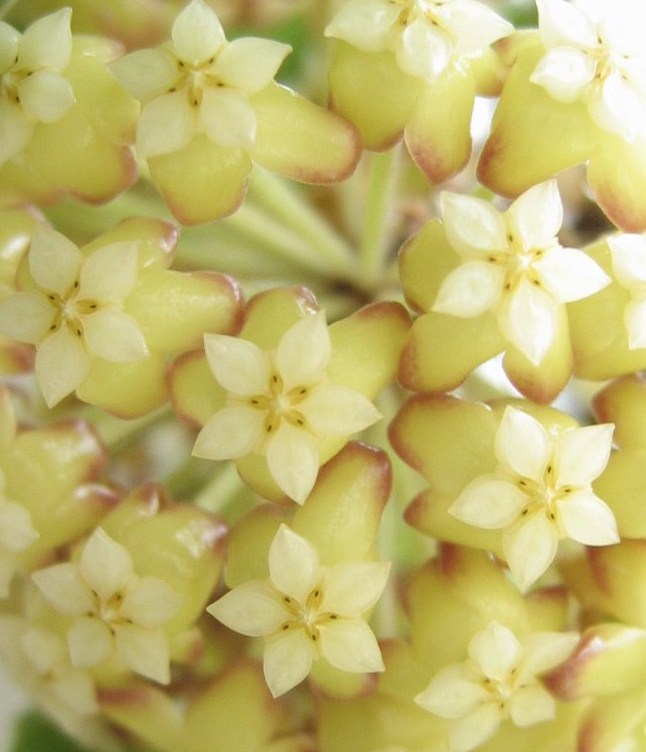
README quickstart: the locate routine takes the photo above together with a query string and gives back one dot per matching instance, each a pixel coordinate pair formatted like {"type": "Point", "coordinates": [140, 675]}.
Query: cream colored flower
{"type": "Point", "coordinates": [498, 681]}
{"type": "Point", "coordinates": [16, 534]}
{"type": "Point", "coordinates": [541, 492]}
{"type": "Point", "coordinates": [595, 54]}
{"type": "Point", "coordinates": [426, 35]}
{"type": "Point", "coordinates": [280, 404]}
{"type": "Point", "coordinates": [198, 83]}
{"type": "Point", "coordinates": [628, 254]}
{"type": "Point", "coordinates": [32, 87]}
{"type": "Point", "coordinates": [306, 611]}
{"type": "Point", "coordinates": [75, 311]}
{"type": "Point", "coordinates": [113, 609]}
{"type": "Point", "coordinates": [513, 265]}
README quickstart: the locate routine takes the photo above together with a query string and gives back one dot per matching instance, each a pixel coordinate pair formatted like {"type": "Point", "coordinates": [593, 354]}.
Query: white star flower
{"type": "Point", "coordinates": [113, 609]}
{"type": "Point", "coordinates": [16, 534]}
{"type": "Point", "coordinates": [32, 87]}
{"type": "Point", "coordinates": [280, 404]}
{"type": "Point", "coordinates": [74, 312]}
{"type": "Point", "coordinates": [426, 35]}
{"type": "Point", "coordinates": [513, 265]}
{"type": "Point", "coordinates": [628, 254]}
{"type": "Point", "coordinates": [541, 492]}
{"type": "Point", "coordinates": [306, 611]}
{"type": "Point", "coordinates": [595, 54]}
{"type": "Point", "coordinates": [198, 83]}
{"type": "Point", "coordinates": [498, 681]}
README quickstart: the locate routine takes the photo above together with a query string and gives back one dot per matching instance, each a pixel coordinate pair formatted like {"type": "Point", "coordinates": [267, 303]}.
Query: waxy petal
{"type": "Point", "coordinates": [197, 33]}
{"type": "Point", "coordinates": [26, 316]}
{"type": "Point", "coordinates": [522, 444]}
{"type": "Point", "coordinates": [47, 43]}
{"type": "Point", "coordinates": [146, 74]}
{"type": "Point", "coordinates": [46, 96]}
{"type": "Point", "coordinates": [424, 50]}
{"type": "Point", "coordinates": [536, 216]}
{"type": "Point", "coordinates": [351, 588]}
{"type": "Point", "coordinates": [453, 692]}
{"type": "Point", "coordinates": [563, 23]}
{"type": "Point", "coordinates": [54, 261]}
{"type": "Point", "coordinates": [618, 108]}
{"type": "Point", "coordinates": [232, 432]}
{"type": "Point", "coordinates": [145, 651]}
{"type": "Point", "coordinates": [475, 728]}
{"type": "Point", "coordinates": [61, 365]}
{"type": "Point", "coordinates": [569, 274]}
{"type": "Point", "coordinates": [65, 588]}
{"type": "Point", "coordinates": [587, 519]}
{"type": "Point", "coordinates": [332, 410]}
{"type": "Point", "coordinates": [228, 118]}
{"type": "Point", "coordinates": [564, 72]}
{"type": "Point", "coordinates": [628, 252]}
{"type": "Point", "coordinates": [150, 602]}
{"type": "Point", "coordinates": [473, 25]}
{"type": "Point", "coordinates": [167, 124]}
{"type": "Point", "coordinates": [16, 529]}
{"type": "Point", "coordinates": [365, 24]}
{"type": "Point", "coordinates": [15, 130]}
{"type": "Point", "coordinates": [350, 645]}
{"type": "Point", "coordinates": [89, 642]}
{"type": "Point", "coordinates": [105, 564]}
{"type": "Point", "coordinates": [304, 351]}
{"type": "Point", "coordinates": [474, 227]}
{"type": "Point", "coordinates": [239, 365]}
{"type": "Point", "coordinates": [471, 289]}
{"type": "Point", "coordinates": [530, 705]}
{"type": "Point", "coordinates": [115, 336]}
{"type": "Point", "coordinates": [9, 40]}
{"type": "Point", "coordinates": [496, 651]}
{"type": "Point", "coordinates": [287, 660]}
{"type": "Point", "coordinates": [294, 565]}
{"type": "Point", "coordinates": [254, 609]}
{"type": "Point", "coordinates": [530, 547]}
{"type": "Point", "coordinates": [110, 273]}
{"type": "Point", "coordinates": [635, 321]}
{"type": "Point", "coordinates": [250, 63]}
{"type": "Point", "coordinates": [489, 502]}
{"type": "Point", "coordinates": [582, 454]}
{"type": "Point", "coordinates": [293, 461]}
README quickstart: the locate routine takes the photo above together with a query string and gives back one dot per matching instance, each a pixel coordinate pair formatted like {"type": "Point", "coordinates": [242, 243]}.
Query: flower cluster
{"type": "Point", "coordinates": [322, 340]}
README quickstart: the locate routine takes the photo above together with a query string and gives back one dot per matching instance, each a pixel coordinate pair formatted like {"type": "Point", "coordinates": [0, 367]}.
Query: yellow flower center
{"type": "Point", "coordinates": [307, 616]}
{"type": "Point", "coordinates": [70, 310]}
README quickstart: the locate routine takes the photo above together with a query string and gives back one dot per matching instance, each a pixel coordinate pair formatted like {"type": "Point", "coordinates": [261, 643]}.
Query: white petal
{"type": "Point", "coordinates": [287, 660]}
{"type": "Point", "coordinates": [115, 336]}
{"type": "Point", "coordinates": [147, 74]}
{"type": "Point", "coordinates": [587, 519]}
{"type": "Point", "coordinates": [634, 321]}
{"type": "Point", "coordinates": [304, 351]}
{"type": "Point", "coordinates": [240, 366]}
{"type": "Point", "coordinates": [197, 33]}
{"type": "Point", "coordinates": [65, 588]}
{"type": "Point", "coordinates": [565, 73]}
{"type": "Point", "coordinates": [473, 227]}
{"type": "Point", "coordinates": [365, 24]}
{"type": "Point", "coordinates": [470, 289]}
{"type": "Point", "coordinates": [232, 432]}
{"type": "Point", "coordinates": [350, 645]}
{"type": "Point", "coordinates": [523, 444]}
{"type": "Point", "coordinates": [294, 564]}
{"type": "Point", "coordinates": [293, 461]}
{"type": "Point", "coordinates": [54, 261]}
{"type": "Point", "coordinates": [530, 547]}
{"type": "Point", "coordinates": [473, 25]}
{"type": "Point", "coordinates": [563, 23]}
{"type": "Point", "coordinates": [145, 651]}
{"type": "Point", "coordinates": [106, 565]}
{"type": "Point", "coordinates": [110, 273]}
{"type": "Point", "coordinates": [333, 410]}
{"type": "Point", "coordinates": [46, 96]}
{"type": "Point", "coordinates": [424, 50]}
{"type": "Point", "coordinates": [527, 318]}
{"type": "Point", "coordinates": [61, 365]}
{"type": "Point", "coordinates": [26, 316]}
{"type": "Point", "coordinates": [453, 692]}
{"type": "Point", "coordinates": [582, 454]}
{"type": "Point", "coordinates": [250, 63]}
{"type": "Point", "coordinates": [489, 502]}
{"type": "Point", "coordinates": [228, 118]}
{"type": "Point", "coordinates": [254, 609]}
{"type": "Point", "coordinates": [569, 274]}
{"type": "Point", "coordinates": [617, 107]}
{"type": "Point", "coordinates": [531, 704]}
{"type": "Point", "coordinates": [475, 728]}
{"type": "Point", "coordinates": [16, 530]}
{"type": "Point", "coordinates": [150, 602]}
{"type": "Point", "coordinates": [495, 650]}
{"type": "Point", "coordinates": [15, 130]}
{"type": "Point", "coordinates": [536, 216]}
{"type": "Point", "coordinates": [167, 124]}
{"type": "Point", "coordinates": [9, 40]}
{"type": "Point", "coordinates": [89, 642]}
{"type": "Point", "coordinates": [543, 651]}
{"type": "Point", "coordinates": [628, 252]}
{"type": "Point", "coordinates": [353, 587]}
{"type": "Point", "coordinates": [47, 43]}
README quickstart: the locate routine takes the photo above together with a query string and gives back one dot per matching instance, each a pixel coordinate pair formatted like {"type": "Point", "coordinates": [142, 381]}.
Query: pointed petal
{"type": "Point", "coordinates": [582, 454]}
{"type": "Point", "coordinates": [365, 24]}
{"type": "Point", "coordinates": [54, 261]}
{"type": "Point", "coordinates": [523, 444]}
{"type": "Point", "coordinates": [333, 410]}
{"type": "Point", "coordinates": [470, 289]}
{"type": "Point", "coordinates": [424, 50]}
{"type": "Point", "coordinates": [110, 273]}
{"type": "Point", "coordinates": [9, 40]}
{"type": "Point", "coordinates": [489, 502]}
{"type": "Point", "coordinates": [16, 529]}
{"type": "Point", "coordinates": [587, 519]}
{"type": "Point", "coordinates": [15, 130]}
{"type": "Point", "coordinates": [167, 124]}
{"type": "Point", "coordinates": [634, 320]}
{"type": "Point", "coordinates": [65, 589]}
{"type": "Point", "coordinates": [452, 692]}
{"type": "Point", "coordinates": [351, 588]}
{"type": "Point", "coordinates": [228, 118]}
{"type": "Point", "coordinates": [561, 23]}
{"type": "Point", "coordinates": [473, 25]}
{"type": "Point", "coordinates": [115, 336]}
{"type": "Point", "coordinates": [105, 564]}
{"type": "Point", "coordinates": [475, 728]}
{"type": "Point", "coordinates": [26, 316]}
{"type": "Point", "coordinates": [254, 609]}
{"type": "Point", "coordinates": [543, 651]}
{"type": "Point", "coordinates": [294, 565]}
{"type": "Point", "coordinates": [530, 547]}
{"type": "Point", "coordinates": [250, 63]}
{"type": "Point", "coordinates": [536, 216]}
{"type": "Point", "coordinates": [496, 651]}
{"type": "Point", "coordinates": [564, 72]}
{"type": "Point", "coordinates": [473, 227]}
{"type": "Point", "coordinates": [530, 705]}
{"type": "Point", "coordinates": [618, 108]}
{"type": "Point", "coordinates": [304, 351]}
{"type": "Point", "coordinates": [350, 645]}
{"type": "Point", "coordinates": [150, 602]}
{"type": "Point", "coordinates": [46, 96]}
{"type": "Point", "coordinates": [145, 651]}
{"type": "Point", "coordinates": [238, 365]}
{"type": "Point", "coordinates": [569, 274]}
{"type": "Point", "coordinates": [232, 432]}
{"type": "Point", "coordinates": [47, 43]}
{"type": "Point", "coordinates": [197, 33]}
{"type": "Point", "coordinates": [628, 253]}
{"type": "Point", "coordinates": [287, 660]}
{"type": "Point", "coordinates": [293, 461]}
{"type": "Point", "coordinates": [89, 642]}
{"type": "Point", "coordinates": [146, 74]}
{"type": "Point", "coordinates": [61, 365]}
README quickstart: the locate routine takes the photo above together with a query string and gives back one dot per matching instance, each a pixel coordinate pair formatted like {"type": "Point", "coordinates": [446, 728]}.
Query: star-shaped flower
{"type": "Point", "coordinates": [541, 492]}
{"type": "Point", "coordinates": [113, 609]}
{"type": "Point", "coordinates": [512, 264]}
{"type": "Point", "coordinates": [280, 404]}
{"type": "Point", "coordinates": [75, 311]}
{"type": "Point", "coordinates": [306, 611]}
{"type": "Point", "coordinates": [498, 681]}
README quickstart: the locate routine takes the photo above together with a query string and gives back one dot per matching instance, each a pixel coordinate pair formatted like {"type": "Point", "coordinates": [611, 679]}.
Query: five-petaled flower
{"type": "Point", "coordinates": [112, 608]}
{"type": "Point", "coordinates": [280, 404]}
{"type": "Point", "coordinates": [306, 611]}
{"type": "Point", "coordinates": [541, 492]}
{"type": "Point", "coordinates": [499, 680]}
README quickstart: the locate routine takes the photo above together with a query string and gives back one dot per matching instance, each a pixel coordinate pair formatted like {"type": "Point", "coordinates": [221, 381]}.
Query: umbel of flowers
{"type": "Point", "coordinates": [312, 440]}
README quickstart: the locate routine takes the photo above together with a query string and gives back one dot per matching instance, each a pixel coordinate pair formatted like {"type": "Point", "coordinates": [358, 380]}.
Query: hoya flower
{"type": "Point", "coordinates": [17, 533]}
{"type": "Point", "coordinates": [628, 253]}
{"type": "Point", "coordinates": [33, 88]}
{"type": "Point", "coordinates": [280, 404]}
{"type": "Point", "coordinates": [75, 311]}
{"type": "Point", "coordinates": [513, 265]}
{"type": "Point", "coordinates": [499, 680]}
{"type": "Point", "coordinates": [541, 492]}
{"type": "Point", "coordinates": [595, 55]}
{"type": "Point", "coordinates": [306, 611]}
{"type": "Point", "coordinates": [113, 610]}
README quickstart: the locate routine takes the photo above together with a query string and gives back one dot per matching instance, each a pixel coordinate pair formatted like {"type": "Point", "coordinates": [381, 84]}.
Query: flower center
{"type": "Point", "coordinates": [196, 78]}
{"type": "Point", "coordinates": [307, 616]}
{"type": "Point", "coordinates": [70, 310]}
{"type": "Point", "coordinates": [279, 405]}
